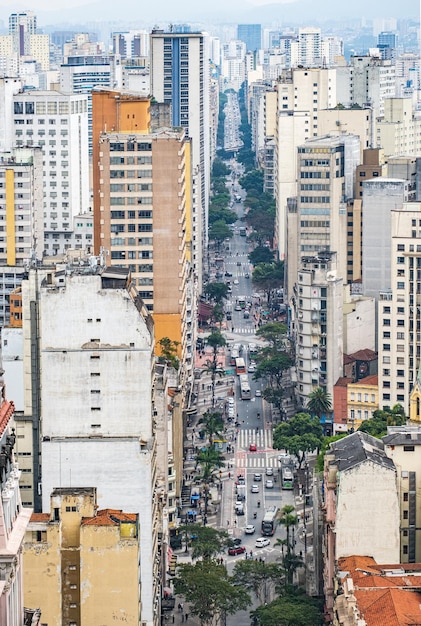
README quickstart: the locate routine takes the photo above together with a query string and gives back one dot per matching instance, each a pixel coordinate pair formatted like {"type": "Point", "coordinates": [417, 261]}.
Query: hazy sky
{"type": "Point", "coordinates": [163, 11]}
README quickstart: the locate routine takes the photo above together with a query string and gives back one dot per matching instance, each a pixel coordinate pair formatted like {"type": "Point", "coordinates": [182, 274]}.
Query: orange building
{"type": "Point", "coordinates": [15, 301]}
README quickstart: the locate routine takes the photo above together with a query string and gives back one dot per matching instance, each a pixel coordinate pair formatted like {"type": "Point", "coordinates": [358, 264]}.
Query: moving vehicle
{"type": "Point", "coordinates": [234, 352]}
{"type": "Point", "coordinates": [262, 542]}
{"type": "Point", "coordinates": [240, 480]}
{"type": "Point", "coordinates": [228, 274]}
{"type": "Point", "coordinates": [242, 301]}
{"type": "Point", "coordinates": [246, 316]}
{"type": "Point", "coordinates": [269, 483]}
{"type": "Point", "coordinates": [237, 307]}
{"type": "Point", "coordinates": [231, 401]}
{"type": "Point", "coordinates": [258, 393]}
{"type": "Point", "coordinates": [235, 281]}
{"type": "Point", "coordinates": [287, 478]}
{"type": "Point", "coordinates": [229, 315]}
{"type": "Point", "coordinates": [257, 477]}
{"type": "Point", "coordinates": [243, 231]}
{"type": "Point", "coordinates": [269, 471]}
{"type": "Point", "coordinates": [255, 489]}
{"type": "Point", "coordinates": [249, 529]}
{"type": "Point", "coordinates": [251, 368]}
{"type": "Point", "coordinates": [253, 447]}
{"type": "Point", "coordinates": [240, 366]}
{"type": "Point", "coordinates": [245, 391]}
{"type": "Point", "coordinates": [269, 521]}
{"type": "Point", "coordinates": [239, 508]}
{"type": "Point", "coordinates": [236, 550]}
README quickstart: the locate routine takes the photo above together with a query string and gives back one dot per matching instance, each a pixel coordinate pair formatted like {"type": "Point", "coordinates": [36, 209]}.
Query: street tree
{"type": "Point", "coordinates": [289, 520]}
{"type": "Point", "coordinates": [272, 368]}
{"type": "Point", "coordinates": [217, 292]}
{"type": "Point", "coordinates": [211, 423]}
{"type": "Point", "coordinates": [274, 333]}
{"type": "Point", "coordinates": [219, 231]}
{"type": "Point", "coordinates": [206, 542]}
{"type": "Point", "coordinates": [217, 214]}
{"type": "Point", "coordinates": [275, 397]}
{"type": "Point", "coordinates": [258, 576]}
{"type": "Point", "coordinates": [210, 591]}
{"type": "Point", "coordinates": [253, 181]}
{"type": "Point", "coordinates": [293, 608]}
{"type": "Point", "coordinates": [216, 340]}
{"type": "Point", "coordinates": [269, 276]}
{"type": "Point", "coordinates": [302, 433]}
{"type": "Point", "coordinates": [210, 462]}
{"type": "Point", "coordinates": [261, 254]}
{"type": "Point", "coordinates": [319, 402]}
{"type": "Point", "coordinates": [219, 168]}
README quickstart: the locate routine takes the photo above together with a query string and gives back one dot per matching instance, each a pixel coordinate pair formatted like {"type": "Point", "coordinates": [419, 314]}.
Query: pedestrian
{"type": "Point", "coordinates": [179, 606]}
{"type": "Point", "coordinates": [182, 617]}
{"type": "Point", "coordinates": [173, 618]}
{"type": "Point", "coordinates": [187, 616]}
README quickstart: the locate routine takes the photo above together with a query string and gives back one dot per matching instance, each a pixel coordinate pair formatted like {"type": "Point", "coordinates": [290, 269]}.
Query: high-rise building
{"type": "Point", "coordinates": [318, 327]}
{"type": "Point", "coordinates": [107, 350]}
{"type": "Point", "coordinates": [399, 308]}
{"type": "Point", "coordinates": [26, 42]}
{"type": "Point", "coordinates": [381, 196]}
{"type": "Point", "coordinates": [371, 80]}
{"type": "Point", "coordinates": [58, 124]}
{"type": "Point", "coordinates": [180, 75]}
{"type": "Point", "coordinates": [302, 93]}
{"type": "Point", "coordinates": [251, 34]}
{"type": "Point", "coordinates": [131, 44]}
{"type": "Point", "coordinates": [307, 50]}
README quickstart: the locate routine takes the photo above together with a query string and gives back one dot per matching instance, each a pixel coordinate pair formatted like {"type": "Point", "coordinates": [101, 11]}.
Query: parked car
{"type": "Point", "coordinates": [240, 480]}
{"type": "Point", "coordinates": [228, 274]}
{"type": "Point", "coordinates": [249, 529]}
{"type": "Point", "coordinates": [231, 401]}
{"type": "Point", "coordinates": [262, 542]}
{"type": "Point", "coordinates": [236, 550]}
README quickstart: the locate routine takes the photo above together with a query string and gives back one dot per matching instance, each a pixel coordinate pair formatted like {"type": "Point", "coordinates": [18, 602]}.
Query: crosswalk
{"type": "Point", "coordinates": [256, 462]}
{"type": "Point", "coordinates": [250, 330]}
{"type": "Point", "coordinates": [263, 439]}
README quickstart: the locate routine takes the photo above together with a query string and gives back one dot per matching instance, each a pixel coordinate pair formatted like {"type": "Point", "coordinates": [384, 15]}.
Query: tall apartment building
{"type": "Point", "coordinates": [251, 34]}
{"type": "Point", "coordinates": [381, 196]}
{"type": "Point", "coordinates": [325, 172]}
{"type": "Point", "coordinates": [371, 81]}
{"type": "Point", "coordinates": [145, 223]}
{"type": "Point", "coordinates": [68, 545]}
{"type": "Point", "coordinates": [399, 312]}
{"type": "Point", "coordinates": [302, 93]}
{"type": "Point", "coordinates": [180, 78]}
{"type": "Point", "coordinates": [131, 44]}
{"type": "Point", "coordinates": [58, 124]}
{"type": "Point", "coordinates": [21, 219]}
{"type": "Point", "coordinates": [307, 50]}
{"type": "Point", "coordinates": [25, 41]}
{"type": "Point", "coordinates": [13, 523]}
{"type": "Point", "coordinates": [399, 130]}
{"type": "Point", "coordinates": [318, 325]}
{"type": "Point", "coordinates": [82, 74]}
{"type": "Point", "coordinates": [107, 351]}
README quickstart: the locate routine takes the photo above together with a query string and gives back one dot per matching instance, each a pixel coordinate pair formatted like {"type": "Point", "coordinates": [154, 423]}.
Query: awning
{"type": "Point", "coordinates": [195, 497]}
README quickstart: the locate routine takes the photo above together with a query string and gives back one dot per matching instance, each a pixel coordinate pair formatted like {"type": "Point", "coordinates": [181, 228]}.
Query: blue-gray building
{"type": "Point", "coordinates": [251, 34]}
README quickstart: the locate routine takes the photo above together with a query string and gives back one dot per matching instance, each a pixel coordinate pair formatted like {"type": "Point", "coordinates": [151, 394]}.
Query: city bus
{"type": "Point", "coordinates": [287, 478]}
{"type": "Point", "coordinates": [245, 391]}
{"type": "Point", "coordinates": [234, 355]}
{"type": "Point", "coordinates": [242, 301]}
{"type": "Point", "coordinates": [240, 366]}
{"type": "Point", "coordinates": [269, 521]}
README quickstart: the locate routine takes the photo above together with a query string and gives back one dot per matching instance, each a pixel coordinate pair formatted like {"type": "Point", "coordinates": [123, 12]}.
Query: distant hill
{"type": "Point", "coordinates": [304, 12]}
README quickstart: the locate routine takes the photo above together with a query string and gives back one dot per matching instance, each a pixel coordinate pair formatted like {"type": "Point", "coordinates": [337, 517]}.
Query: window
{"type": "Point", "coordinates": [408, 448]}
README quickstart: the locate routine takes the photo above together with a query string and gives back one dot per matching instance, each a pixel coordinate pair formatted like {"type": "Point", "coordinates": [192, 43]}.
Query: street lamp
{"type": "Point", "coordinates": [187, 540]}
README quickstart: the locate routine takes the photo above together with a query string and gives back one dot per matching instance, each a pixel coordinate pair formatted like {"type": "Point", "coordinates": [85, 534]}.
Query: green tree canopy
{"type": "Point", "coordinates": [290, 609]}
{"type": "Point", "coordinates": [210, 461]}
{"type": "Point", "coordinates": [211, 424]}
{"type": "Point", "coordinates": [377, 425]}
{"type": "Point", "coordinates": [269, 276]}
{"type": "Point", "coordinates": [274, 333]}
{"type": "Point", "coordinates": [272, 368]}
{"type": "Point", "coordinates": [206, 542]}
{"type": "Point", "coordinates": [219, 231]}
{"type": "Point", "coordinates": [219, 168]}
{"type": "Point", "coordinates": [319, 402]}
{"type": "Point", "coordinates": [301, 434]}
{"type": "Point", "coordinates": [217, 292]}
{"type": "Point", "coordinates": [261, 254]}
{"type": "Point", "coordinates": [168, 349]}
{"type": "Point", "coordinates": [209, 590]}
{"type": "Point", "coordinates": [253, 180]}
{"type": "Point", "coordinates": [257, 576]}
{"type": "Point", "coordinates": [221, 214]}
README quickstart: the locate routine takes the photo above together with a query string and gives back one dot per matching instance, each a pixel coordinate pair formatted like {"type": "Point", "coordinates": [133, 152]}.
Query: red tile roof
{"type": "Point", "coordinates": [343, 382]}
{"type": "Point", "coordinates": [109, 517]}
{"type": "Point", "coordinates": [40, 517]}
{"type": "Point", "coordinates": [368, 380]}
{"type": "Point", "coordinates": [364, 355]}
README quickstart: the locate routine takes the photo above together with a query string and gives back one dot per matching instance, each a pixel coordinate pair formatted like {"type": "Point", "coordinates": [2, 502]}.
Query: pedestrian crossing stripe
{"type": "Point", "coordinates": [257, 462]}
{"type": "Point", "coordinates": [263, 438]}
{"type": "Point", "coordinates": [243, 331]}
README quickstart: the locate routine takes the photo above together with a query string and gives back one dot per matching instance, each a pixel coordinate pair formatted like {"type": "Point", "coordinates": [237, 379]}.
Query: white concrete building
{"type": "Point", "coordinates": [99, 430]}
{"type": "Point", "coordinates": [399, 313]}
{"type": "Point", "coordinates": [371, 81]}
{"type": "Point", "coordinates": [318, 325]}
{"type": "Point", "coordinates": [399, 130]}
{"type": "Point", "coordinates": [302, 93]}
{"type": "Point", "coordinates": [381, 196]}
{"type": "Point", "coordinates": [57, 123]}
{"type": "Point", "coordinates": [307, 50]}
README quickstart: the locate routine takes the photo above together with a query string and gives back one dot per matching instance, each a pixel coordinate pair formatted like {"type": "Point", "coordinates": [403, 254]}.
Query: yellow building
{"type": "Point", "coordinates": [88, 560]}
{"type": "Point", "coordinates": [362, 401]}
{"type": "Point", "coordinates": [415, 399]}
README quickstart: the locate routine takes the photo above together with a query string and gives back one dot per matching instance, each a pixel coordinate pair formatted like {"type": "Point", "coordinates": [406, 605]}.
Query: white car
{"type": "Point", "coordinates": [258, 393]}
{"type": "Point", "coordinates": [249, 530]}
{"type": "Point", "coordinates": [255, 489]}
{"type": "Point", "coordinates": [262, 542]}
{"type": "Point", "coordinates": [231, 411]}
{"type": "Point", "coordinates": [235, 281]}
{"type": "Point", "coordinates": [269, 471]}
{"type": "Point", "coordinates": [251, 369]}
{"type": "Point", "coordinates": [269, 484]}
{"type": "Point", "coordinates": [231, 401]}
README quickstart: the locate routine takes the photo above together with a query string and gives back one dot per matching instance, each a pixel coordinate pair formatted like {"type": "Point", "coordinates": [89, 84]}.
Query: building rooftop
{"type": "Point", "coordinates": [343, 381]}
{"type": "Point", "coordinates": [368, 380]}
{"type": "Point", "coordinates": [109, 517]}
{"type": "Point", "coordinates": [362, 355]}
{"type": "Point", "coordinates": [358, 448]}
{"type": "Point", "coordinates": [402, 435]}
